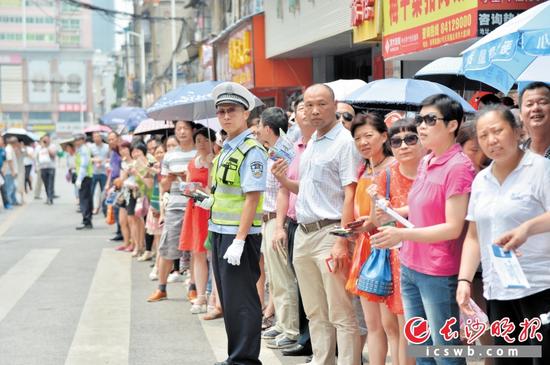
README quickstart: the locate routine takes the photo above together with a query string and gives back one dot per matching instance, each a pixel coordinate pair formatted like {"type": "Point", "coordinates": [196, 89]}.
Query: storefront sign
{"type": "Point", "coordinates": [415, 25]}
{"type": "Point", "coordinates": [494, 13]}
{"type": "Point", "coordinates": [240, 57]}
{"type": "Point", "coordinates": [72, 107]}
{"type": "Point", "coordinates": [234, 58]}
{"type": "Point", "coordinates": [41, 127]}
{"type": "Point", "coordinates": [11, 59]}
{"type": "Point", "coordinates": [366, 20]}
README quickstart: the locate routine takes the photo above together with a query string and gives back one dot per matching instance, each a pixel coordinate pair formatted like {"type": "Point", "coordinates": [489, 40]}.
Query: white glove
{"type": "Point", "coordinates": [78, 184]}
{"type": "Point", "coordinates": [206, 203]}
{"type": "Point", "coordinates": [234, 252]}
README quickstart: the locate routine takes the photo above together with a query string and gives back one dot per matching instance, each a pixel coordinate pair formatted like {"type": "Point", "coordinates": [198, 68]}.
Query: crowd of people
{"type": "Point", "coordinates": [252, 232]}
{"type": "Point", "coordinates": [27, 168]}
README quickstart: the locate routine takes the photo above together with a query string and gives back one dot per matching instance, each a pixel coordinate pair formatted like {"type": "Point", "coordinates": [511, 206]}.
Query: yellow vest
{"type": "Point", "coordinates": [228, 195]}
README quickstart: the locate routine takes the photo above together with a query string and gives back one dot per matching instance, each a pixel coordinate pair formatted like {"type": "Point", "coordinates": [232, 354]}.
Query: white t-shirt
{"type": "Point", "coordinates": [10, 156]}
{"type": "Point", "coordinates": [497, 208]}
{"type": "Point", "coordinates": [176, 159]}
{"type": "Point", "coordinates": [45, 161]}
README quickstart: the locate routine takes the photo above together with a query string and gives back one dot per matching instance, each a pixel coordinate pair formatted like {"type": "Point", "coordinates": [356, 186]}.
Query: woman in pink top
{"type": "Point", "coordinates": [438, 200]}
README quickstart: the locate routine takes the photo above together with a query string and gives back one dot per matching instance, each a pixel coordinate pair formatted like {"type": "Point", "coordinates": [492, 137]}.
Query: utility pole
{"type": "Point", "coordinates": [173, 24]}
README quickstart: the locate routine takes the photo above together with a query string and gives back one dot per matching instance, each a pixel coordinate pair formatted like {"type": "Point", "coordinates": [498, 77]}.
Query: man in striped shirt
{"type": "Point", "coordinates": [281, 279]}
{"type": "Point", "coordinates": [325, 199]}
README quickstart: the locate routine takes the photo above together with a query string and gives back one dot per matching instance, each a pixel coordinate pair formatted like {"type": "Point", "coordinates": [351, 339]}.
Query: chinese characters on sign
{"type": "Point", "coordinates": [487, 21]}
{"type": "Point", "coordinates": [415, 25]}
{"type": "Point", "coordinates": [361, 11]}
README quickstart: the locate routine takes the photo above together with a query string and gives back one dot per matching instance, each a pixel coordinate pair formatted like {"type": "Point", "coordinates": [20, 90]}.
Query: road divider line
{"type": "Point", "coordinates": [21, 276]}
{"type": "Point", "coordinates": [218, 342]}
{"type": "Point", "coordinates": [103, 332]}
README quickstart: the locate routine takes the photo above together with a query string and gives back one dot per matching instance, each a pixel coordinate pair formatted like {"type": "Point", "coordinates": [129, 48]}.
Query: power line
{"type": "Point", "coordinates": [114, 13]}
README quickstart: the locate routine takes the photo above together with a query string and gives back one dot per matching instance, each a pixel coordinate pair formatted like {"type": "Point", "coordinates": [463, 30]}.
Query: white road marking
{"type": "Point", "coordinates": [218, 342]}
{"type": "Point", "coordinates": [103, 333]}
{"type": "Point", "coordinates": [20, 277]}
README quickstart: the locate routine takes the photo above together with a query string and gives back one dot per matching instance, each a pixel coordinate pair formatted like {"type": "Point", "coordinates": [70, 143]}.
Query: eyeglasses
{"type": "Point", "coordinates": [222, 112]}
{"type": "Point", "coordinates": [409, 139]}
{"type": "Point", "coordinates": [348, 117]}
{"type": "Point", "coordinates": [429, 119]}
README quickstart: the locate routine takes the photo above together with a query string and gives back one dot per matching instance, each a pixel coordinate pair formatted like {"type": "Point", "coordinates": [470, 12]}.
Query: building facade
{"type": "Point", "coordinates": [46, 67]}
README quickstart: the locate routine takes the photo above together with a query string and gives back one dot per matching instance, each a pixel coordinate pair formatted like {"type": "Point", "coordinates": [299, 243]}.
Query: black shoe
{"type": "Point", "coordinates": [116, 238]}
{"type": "Point", "coordinates": [309, 359]}
{"type": "Point", "coordinates": [84, 226]}
{"type": "Point", "coordinates": [297, 350]}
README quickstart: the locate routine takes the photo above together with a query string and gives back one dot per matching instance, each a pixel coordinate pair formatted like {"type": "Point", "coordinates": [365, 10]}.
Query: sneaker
{"type": "Point", "coordinates": [281, 342]}
{"type": "Point", "coordinates": [147, 255]}
{"type": "Point", "coordinates": [157, 296]}
{"type": "Point", "coordinates": [174, 277]}
{"type": "Point", "coordinates": [154, 275]}
{"type": "Point", "coordinates": [270, 334]}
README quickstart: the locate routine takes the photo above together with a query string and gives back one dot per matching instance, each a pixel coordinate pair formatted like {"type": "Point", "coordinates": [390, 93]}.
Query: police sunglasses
{"type": "Point", "coordinates": [347, 116]}
{"type": "Point", "coordinates": [409, 139]}
{"type": "Point", "coordinates": [429, 119]}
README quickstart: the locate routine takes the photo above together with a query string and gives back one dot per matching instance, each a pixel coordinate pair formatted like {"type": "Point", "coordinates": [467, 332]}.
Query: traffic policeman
{"type": "Point", "coordinates": [238, 178]}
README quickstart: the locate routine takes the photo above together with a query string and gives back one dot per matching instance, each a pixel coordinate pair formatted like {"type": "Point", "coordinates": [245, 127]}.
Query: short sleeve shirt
{"type": "Point", "coordinates": [497, 208]}
{"type": "Point", "coordinates": [177, 200]}
{"type": "Point", "coordinates": [328, 164]}
{"type": "Point", "coordinates": [293, 174]}
{"type": "Point", "coordinates": [450, 174]}
{"type": "Point", "coordinates": [253, 174]}
{"type": "Point", "coordinates": [102, 152]}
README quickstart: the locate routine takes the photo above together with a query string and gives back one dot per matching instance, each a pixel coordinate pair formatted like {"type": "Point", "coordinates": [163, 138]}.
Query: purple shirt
{"type": "Point", "coordinates": [450, 174]}
{"type": "Point", "coordinates": [114, 163]}
{"type": "Point", "coordinates": [293, 174]}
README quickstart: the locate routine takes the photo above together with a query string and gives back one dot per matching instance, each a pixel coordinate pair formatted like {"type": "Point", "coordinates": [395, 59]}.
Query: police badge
{"type": "Point", "coordinates": [257, 169]}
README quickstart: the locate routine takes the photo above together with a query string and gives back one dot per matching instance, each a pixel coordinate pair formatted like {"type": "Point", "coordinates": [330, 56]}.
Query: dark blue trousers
{"type": "Point", "coordinates": [242, 311]}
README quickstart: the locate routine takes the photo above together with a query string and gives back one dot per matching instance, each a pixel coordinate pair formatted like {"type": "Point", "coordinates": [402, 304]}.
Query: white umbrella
{"type": "Point", "coordinates": [343, 88]}
{"type": "Point", "coordinates": [538, 70]}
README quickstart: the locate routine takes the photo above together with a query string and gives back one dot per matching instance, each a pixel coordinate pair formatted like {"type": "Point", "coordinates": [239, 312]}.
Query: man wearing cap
{"type": "Point", "coordinates": [84, 171]}
{"type": "Point", "coordinates": [238, 182]}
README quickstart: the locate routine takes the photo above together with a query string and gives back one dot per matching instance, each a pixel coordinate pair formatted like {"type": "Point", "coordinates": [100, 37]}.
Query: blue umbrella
{"type": "Point", "coordinates": [124, 116]}
{"type": "Point", "coordinates": [187, 102]}
{"type": "Point", "coordinates": [499, 58]}
{"type": "Point", "coordinates": [401, 94]}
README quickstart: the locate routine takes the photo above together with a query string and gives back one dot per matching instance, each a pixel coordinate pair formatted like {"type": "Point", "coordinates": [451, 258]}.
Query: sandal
{"type": "Point", "coordinates": [214, 314]}
{"type": "Point", "coordinates": [268, 322]}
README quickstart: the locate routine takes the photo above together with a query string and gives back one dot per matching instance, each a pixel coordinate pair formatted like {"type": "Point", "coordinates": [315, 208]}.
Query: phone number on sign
{"type": "Point", "coordinates": [456, 24]}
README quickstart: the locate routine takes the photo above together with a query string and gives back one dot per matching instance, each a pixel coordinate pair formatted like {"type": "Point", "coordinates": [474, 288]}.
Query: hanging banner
{"type": "Point", "coordinates": [416, 25]}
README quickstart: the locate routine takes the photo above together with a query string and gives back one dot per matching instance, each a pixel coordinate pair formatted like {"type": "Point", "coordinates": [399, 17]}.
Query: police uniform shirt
{"type": "Point", "coordinates": [253, 173]}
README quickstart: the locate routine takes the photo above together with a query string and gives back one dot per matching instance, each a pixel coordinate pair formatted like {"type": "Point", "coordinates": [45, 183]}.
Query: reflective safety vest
{"type": "Point", "coordinates": [77, 162]}
{"type": "Point", "coordinates": [228, 195]}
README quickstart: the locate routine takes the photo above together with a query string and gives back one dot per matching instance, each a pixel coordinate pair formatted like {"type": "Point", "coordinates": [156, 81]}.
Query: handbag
{"type": "Point", "coordinates": [142, 206]}
{"type": "Point", "coordinates": [375, 276]}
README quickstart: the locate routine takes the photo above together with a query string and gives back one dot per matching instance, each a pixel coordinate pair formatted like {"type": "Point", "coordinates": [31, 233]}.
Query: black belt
{"type": "Point", "coordinates": [266, 217]}
{"type": "Point", "coordinates": [316, 226]}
